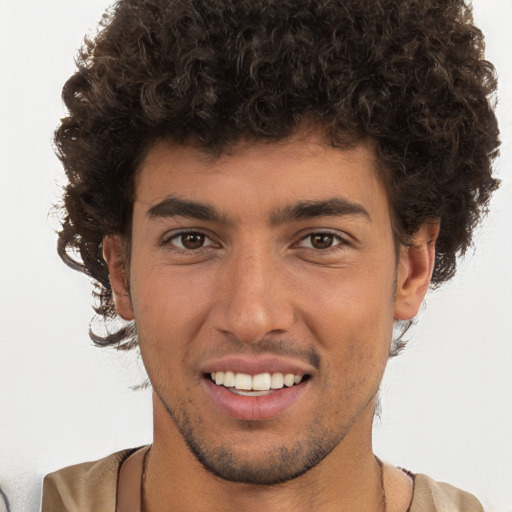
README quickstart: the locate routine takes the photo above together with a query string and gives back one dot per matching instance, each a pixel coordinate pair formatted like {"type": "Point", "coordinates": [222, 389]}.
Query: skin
{"type": "Point", "coordinates": [260, 284]}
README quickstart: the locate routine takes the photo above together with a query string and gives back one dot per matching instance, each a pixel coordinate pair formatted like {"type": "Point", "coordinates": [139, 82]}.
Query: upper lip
{"type": "Point", "coordinates": [256, 365]}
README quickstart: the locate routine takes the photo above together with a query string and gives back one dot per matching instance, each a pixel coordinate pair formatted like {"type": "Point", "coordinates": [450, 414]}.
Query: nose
{"type": "Point", "coordinates": [253, 300]}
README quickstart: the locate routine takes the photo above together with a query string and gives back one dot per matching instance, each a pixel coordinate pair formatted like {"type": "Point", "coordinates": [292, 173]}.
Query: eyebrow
{"type": "Point", "coordinates": [333, 207]}
{"type": "Point", "coordinates": [173, 206]}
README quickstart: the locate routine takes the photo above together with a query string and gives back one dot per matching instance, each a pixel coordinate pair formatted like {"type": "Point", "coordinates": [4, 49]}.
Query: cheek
{"type": "Point", "coordinates": [349, 303]}
{"type": "Point", "coordinates": [169, 308]}
{"type": "Point", "coordinates": [351, 320]}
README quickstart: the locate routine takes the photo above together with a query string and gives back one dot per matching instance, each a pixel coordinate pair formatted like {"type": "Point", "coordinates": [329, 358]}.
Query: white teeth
{"type": "Point", "coordinates": [259, 382]}
{"type": "Point", "coordinates": [243, 381]}
{"type": "Point", "coordinates": [289, 380]}
{"type": "Point", "coordinates": [277, 381]}
{"type": "Point", "coordinates": [249, 393]}
{"type": "Point", "coordinates": [229, 380]}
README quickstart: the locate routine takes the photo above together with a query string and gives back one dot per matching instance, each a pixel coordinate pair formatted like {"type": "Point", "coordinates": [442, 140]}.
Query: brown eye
{"type": "Point", "coordinates": [188, 241]}
{"type": "Point", "coordinates": [322, 241]}
{"type": "Point", "coordinates": [192, 241]}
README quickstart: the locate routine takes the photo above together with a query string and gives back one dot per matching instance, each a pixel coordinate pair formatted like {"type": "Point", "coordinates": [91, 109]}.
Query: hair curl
{"type": "Point", "coordinates": [409, 74]}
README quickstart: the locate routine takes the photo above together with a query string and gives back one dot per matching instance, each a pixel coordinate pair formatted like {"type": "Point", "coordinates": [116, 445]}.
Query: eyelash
{"type": "Point", "coordinates": [339, 242]}
{"type": "Point", "coordinates": [168, 241]}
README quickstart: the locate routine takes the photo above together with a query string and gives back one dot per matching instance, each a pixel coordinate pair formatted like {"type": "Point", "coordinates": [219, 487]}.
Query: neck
{"type": "Point", "coordinates": [349, 479]}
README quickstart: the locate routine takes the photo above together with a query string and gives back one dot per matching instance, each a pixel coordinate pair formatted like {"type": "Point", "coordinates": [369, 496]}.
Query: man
{"type": "Point", "coordinates": [262, 190]}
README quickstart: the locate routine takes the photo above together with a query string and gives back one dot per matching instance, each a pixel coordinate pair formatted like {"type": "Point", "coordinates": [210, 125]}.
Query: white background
{"type": "Point", "coordinates": [446, 401]}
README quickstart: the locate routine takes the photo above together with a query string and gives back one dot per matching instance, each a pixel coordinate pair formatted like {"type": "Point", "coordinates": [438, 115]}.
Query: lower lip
{"type": "Point", "coordinates": [254, 408]}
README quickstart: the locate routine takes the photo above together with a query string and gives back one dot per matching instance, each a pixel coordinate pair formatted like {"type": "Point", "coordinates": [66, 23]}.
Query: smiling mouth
{"type": "Point", "coordinates": [256, 385]}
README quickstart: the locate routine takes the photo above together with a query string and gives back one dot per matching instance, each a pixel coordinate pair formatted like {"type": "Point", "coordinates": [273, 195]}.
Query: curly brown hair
{"type": "Point", "coordinates": [409, 74]}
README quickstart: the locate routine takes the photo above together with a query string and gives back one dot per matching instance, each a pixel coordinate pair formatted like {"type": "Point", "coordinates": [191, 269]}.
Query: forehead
{"type": "Point", "coordinates": [261, 177]}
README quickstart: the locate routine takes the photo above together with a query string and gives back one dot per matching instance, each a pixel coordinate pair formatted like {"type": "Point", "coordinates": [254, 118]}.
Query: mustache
{"type": "Point", "coordinates": [267, 345]}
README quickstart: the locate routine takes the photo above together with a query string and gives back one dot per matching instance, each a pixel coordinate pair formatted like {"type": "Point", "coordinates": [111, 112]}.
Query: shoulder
{"type": "Point", "coordinates": [432, 496]}
{"type": "Point", "coordinates": [86, 486]}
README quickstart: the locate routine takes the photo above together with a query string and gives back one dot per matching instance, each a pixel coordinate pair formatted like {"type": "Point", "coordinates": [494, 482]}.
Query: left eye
{"type": "Point", "coordinates": [320, 241]}
{"type": "Point", "coordinates": [190, 241]}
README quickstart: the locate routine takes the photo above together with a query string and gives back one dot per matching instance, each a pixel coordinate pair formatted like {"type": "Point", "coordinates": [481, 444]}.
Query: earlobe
{"type": "Point", "coordinates": [113, 255]}
{"type": "Point", "coordinates": [415, 267]}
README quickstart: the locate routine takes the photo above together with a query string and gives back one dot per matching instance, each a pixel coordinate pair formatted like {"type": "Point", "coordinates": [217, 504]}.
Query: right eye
{"type": "Point", "coordinates": [189, 240]}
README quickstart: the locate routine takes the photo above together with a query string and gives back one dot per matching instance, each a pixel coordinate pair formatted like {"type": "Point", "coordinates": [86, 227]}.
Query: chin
{"type": "Point", "coordinates": [282, 465]}
{"type": "Point", "coordinates": [268, 465]}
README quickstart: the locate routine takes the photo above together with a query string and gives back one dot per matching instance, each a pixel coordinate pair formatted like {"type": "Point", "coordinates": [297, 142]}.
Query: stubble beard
{"type": "Point", "coordinates": [275, 465]}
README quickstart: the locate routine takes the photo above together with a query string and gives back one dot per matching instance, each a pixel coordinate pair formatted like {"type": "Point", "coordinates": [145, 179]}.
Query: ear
{"type": "Point", "coordinates": [415, 268]}
{"type": "Point", "coordinates": [113, 255]}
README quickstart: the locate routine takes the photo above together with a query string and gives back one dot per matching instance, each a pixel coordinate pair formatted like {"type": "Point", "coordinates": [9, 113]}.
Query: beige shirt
{"type": "Point", "coordinates": [92, 487]}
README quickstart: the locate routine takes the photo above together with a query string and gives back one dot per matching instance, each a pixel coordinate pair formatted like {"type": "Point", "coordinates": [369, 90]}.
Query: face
{"type": "Point", "coordinates": [264, 285]}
